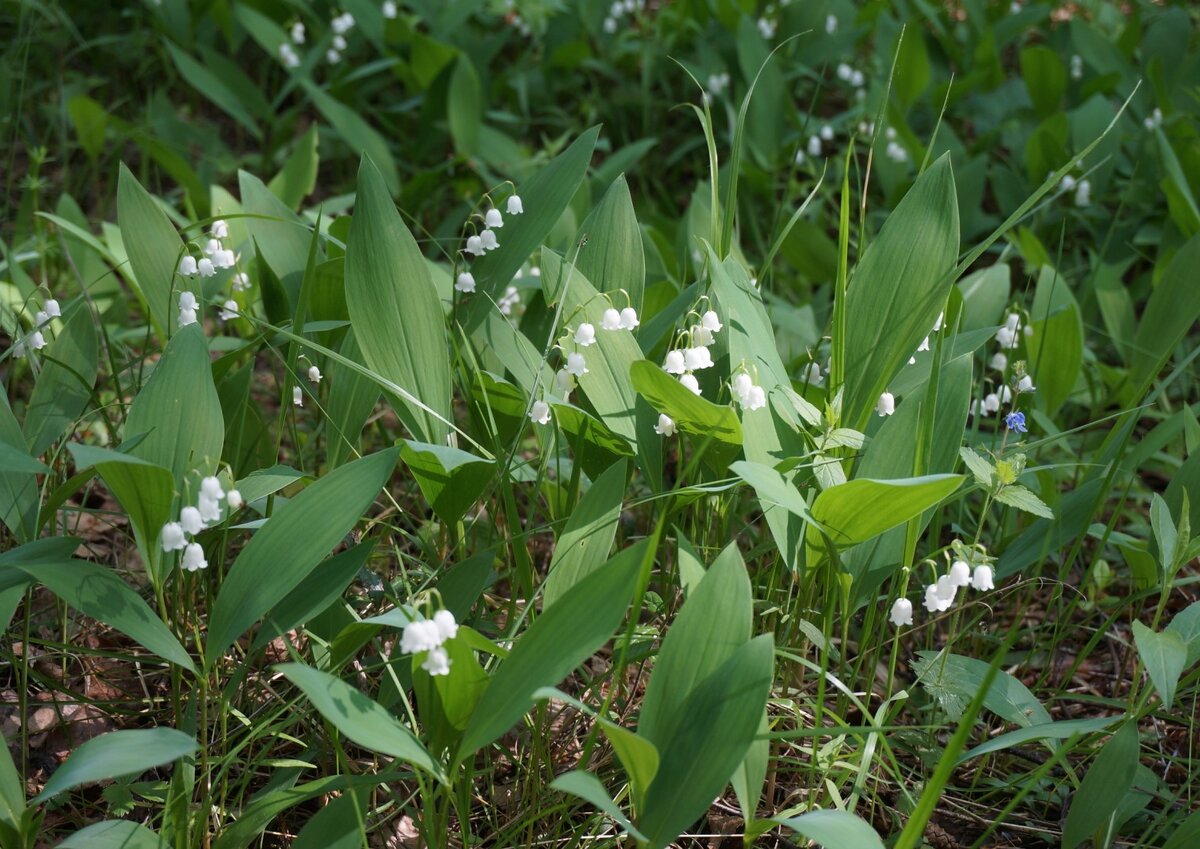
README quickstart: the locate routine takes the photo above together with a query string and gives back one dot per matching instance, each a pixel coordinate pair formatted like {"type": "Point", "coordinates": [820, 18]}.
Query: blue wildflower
{"type": "Point", "coordinates": [1015, 421]}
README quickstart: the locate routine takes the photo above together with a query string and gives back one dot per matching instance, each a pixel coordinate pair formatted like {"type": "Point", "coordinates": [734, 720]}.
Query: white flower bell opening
{"type": "Point", "coordinates": [493, 218]}
{"type": "Point", "coordinates": [982, 579]}
{"type": "Point", "coordinates": [488, 239]}
{"type": "Point", "coordinates": [514, 206]}
{"type": "Point", "coordinates": [173, 538]}
{"type": "Point", "coordinates": [611, 320]}
{"type": "Point", "coordinates": [676, 362]}
{"type": "Point", "coordinates": [689, 380]}
{"type": "Point", "coordinates": [902, 612]}
{"type": "Point", "coordinates": [576, 365]}
{"type": "Point", "coordinates": [297, 396]}
{"type": "Point", "coordinates": [629, 319]}
{"type": "Point", "coordinates": [193, 558]}
{"type": "Point", "coordinates": [314, 374]}
{"type": "Point", "coordinates": [539, 413]}
{"type": "Point", "coordinates": [665, 426]}
{"type": "Point", "coordinates": [886, 405]}
{"type": "Point", "coordinates": [475, 245]}
{"type": "Point", "coordinates": [465, 283]}
{"type": "Point", "coordinates": [437, 663]}
{"type": "Point", "coordinates": [187, 266]}
{"type": "Point", "coordinates": [585, 335]}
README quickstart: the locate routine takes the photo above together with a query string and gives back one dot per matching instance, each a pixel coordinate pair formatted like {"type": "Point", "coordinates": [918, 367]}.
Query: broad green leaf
{"type": "Point", "coordinates": [281, 239]}
{"type": "Point", "coordinates": [588, 788]}
{"type": "Point", "coordinates": [1165, 535]}
{"type": "Point", "coordinates": [772, 488]}
{"type": "Point", "coordinates": [711, 626]}
{"type": "Point", "coordinates": [544, 195]}
{"type": "Point", "coordinates": [1056, 346]}
{"type": "Point", "coordinates": [1164, 655]}
{"type": "Point", "coordinates": [1169, 314]}
{"type": "Point", "coordinates": [1186, 626]}
{"type": "Point", "coordinates": [834, 830]}
{"type": "Point", "coordinates": [554, 645]}
{"type": "Point", "coordinates": [954, 680]}
{"type": "Point", "coordinates": [1103, 788]}
{"type": "Point", "coordinates": [985, 294]}
{"type": "Point", "coordinates": [178, 409]}
{"type": "Point", "coordinates": [583, 545]}
{"type": "Point", "coordinates": [90, 120]}
{"type": "Point", "coordinates": [285, 550]}
{"type": "Point", "coordinates": [145, 491]}
{"type": "Point", "coordinates": [898, 288]}
{"type": "Point", "coordinates": [1018, 496]}
{"type": "Point", "coordinates": [911, 76]}
{"type": "Point", "coordinates": [1187, 835]}
{"type": "Point", "coordinates": [114, 834]}
{"type": "Point", "coordinates": [19, 496]}
{"type": "Point", "coordinates": [264, 482]}
{"type": "Point", "coordinates": [464, 107]}
{"type": "Point", "coordinates": [450, 479]}
{"type": "Point", "coordinates": [613, 259]}
{"type": "Point", "coordinates": [12, 797]}
{"type": "Point", "coordinates": [64, 387]}
{"type": "Point", "coordinates": [213, 87]}
{"type": "Point", "coordinates": [360, 718]}
{"type": "Point", "coordinates": [752, 346]}
{"type": "Point", "coordinates": [16, 460]}
{"type": "Point", "coordinates": [117, 753]}
{"type": "Point", "coordinates": [363, 139]}
{"type": "Point", "coordinates": [298, 176]}
{"type": "Point", "coordinates": [691, 413]}
{"type": "Point", "coordinates": [153, 245]}
{"type": "Point", "coordinates": [696, 762]}
{"type": "Point", "coordinates": [338, 825]}
{"type": "Point", "coordinates": [857, 510]}
{"type": "Point", "coordinates": [1061, 730]}
{"type": "Point", "coordinates": [395, 309]}
{"type": "Point", "coordinates": [983, 470]}
{"type": "Point", "coordinates": [351, 399]}
{"type": "Point", "coordinates": [1045, 78]}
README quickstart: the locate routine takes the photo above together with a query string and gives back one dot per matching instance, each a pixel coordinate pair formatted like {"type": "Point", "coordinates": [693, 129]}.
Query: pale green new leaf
{"type": "Point", "coordinates": [857, 510]}
{"type": "Point", "coordinates": [583, 545]}
{"type": "Point", "coordinates": [588, 788]}
{"type": "Point", "coordinates": [114, 834]}
{"type": "Point", "coordinates": [153, 245]}
{"type": "Point", "coordinates": [1164, 655]}
{"type": "Point", "coordinates": [834, 830]}
{"type": "Point", "coordinates": [1018, 496]}
{"type": "Point", "coordinates": [117, 753]}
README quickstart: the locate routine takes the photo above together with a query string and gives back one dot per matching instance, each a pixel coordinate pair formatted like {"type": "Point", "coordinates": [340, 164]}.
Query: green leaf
{"type": "Point", "coordinates": [554, 645]}
{"type": "Point", "coordinates": [954, 680]}
{"type": "Point", "coordinates": [860, 509]}
{"type": "Point", "coordinates": [178, 409]}
{"type": "Point", "coordinates": [588, 788]}
{"type": "Point", "coordinates": [464, 107]}
{"type": "Point", "coordinates": [19, 494]}
{"type": "Point", "coordinates": [1164, 655]}
{"type": "Point", "coordinates": [102, 595]}
{"type": "Point", "coordinates": [338, 825]}
{"type": "Point", "coordinates": [350, 402]}
{"type": "Point", "coordinates": [14, 460]}
{"type": "Point", "coordinates": [280, 237]}
{"type": "Point", "coordinates": [983, 470]}
{"type": "Point", "coordinates": [711, 626]}
{"type": "Point", "coordinates": [1187, 835]}
{"type": "Point", "coordinates": [64, 387]}
{"type": "Point", "coordinates": [1186, 626]}
{"type": "Point", "coordinates": [153, 245]}
{"type": "Point", "coordinates": [1045, 78]}
{"type": "Point", "coordinates": [213, 87]}
{"type": "Point", "coordinates": [1110, 776]}
{"type": "Point", "coordinates": [12, 798]}
{"type": "Point", "coordinates": [363, 139]}
{"type": "Point", "coordinates": [833, 830]}
{"type": "Point", "coordinates": [613, 258]}
{"type": "Point", "coordinates": [1061, 730]}
{"type": "Point", "coordinates": [360, 718]}
{"type": "Point", "coordinates": [1171, 311]}
{"type": "Point", "coordinates": [395, 309]}
{"type": "Point", "coordinates": [1056, 346]}
{"type": "Point", "coordinates": [450, 479]}
{"type": "Point", "coordinates": [117, 753]}
{"type": "Point", "coordinates": [584, 543]}
{"type": "Point", "coordinates": [90, 120]}
{"type": "Point", "coordinates": [723, 712]}
{"type": "Point", "coordinates": [1018, 496]}
{"type": "Point", "coordinates": [289, 546]}
{"type": "Point", "coordinates": [691, 413]}
{"type": "Point", "coordinates": [298, 176]}
{"type": "Point", "coordinates": [772, 488]}
{"type": "Point", "coordinates": [1165, 535]}
{"type": "Point", "coordinates": [901, 283]}
{"type": "Point", "coordinates": [114, 834]}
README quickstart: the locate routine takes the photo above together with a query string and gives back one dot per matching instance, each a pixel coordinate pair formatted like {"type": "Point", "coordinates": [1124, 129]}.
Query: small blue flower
{"type": "Point", "coordinates": [1015, 421]}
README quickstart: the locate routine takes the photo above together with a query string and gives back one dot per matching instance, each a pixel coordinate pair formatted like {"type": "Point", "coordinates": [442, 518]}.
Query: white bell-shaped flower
{"type": "Point", "coordinates": [755, 399]}
{"type": "Point", "coordinates": [902, 612]}
{"type": "Point", "coordinates": [585, 335]}
{"type": "Point", "coordinates": [212, 247]}
{"type": "Point", "coordinates": [314, 374]}
{"type": "Point", "coordinates": [539, 413]}
{"type": "Point", "coordinates": [960, 573]}
{"type": "Point", "coordinates": [420, 635]}
{"type": "Point", "coordinates": [576, 365]}
{"type": "Point", "coordinates": [1025, 384]}
{"type": "Point", "coordinates": [924, 346]}
{"type": "Point", "coordinates": [711, 321]}
{"type": "Point", "coordinates": [193, 558]}
{"type": "Point", "coordinates": [297, 32]}
{"type": "Point", "coordinates": [187, 317]}
{"type": "Point", "coordinates": [676, 362]}
{"type": "Point", "coordinates": [812, 374]}
{"type": "Point", "coordinates": [474, 245]}
{"type": "Point", "coordinates": [844, 72]}
{"type": "Point", "coordinates": [206, 268]}
{"type": "Point", "coordinates": [437, 663]}
{"type": "Point", "coordinates": [488, 237]}
{"type": "Point", "coordinates": [886, 405]}
{"type": "Point", "coordinates": [219, 229]}
{"type": "Point", "coordinates": [343, 23]}
{"type": "Point", "coordinates": [564, 382]}
{"type": "Point", "coordinates": [1005, 394]}
{"type": "Point", "coordinates": [991, 403]}
{"type": "Point", "coordinates": [191, 520]}
{"type": "Point", "coordinates": [288, 55]}
{"type": "Point", "coordinates": [36, 341]}
{"type": "Point", "coordinates": [931, 598]}
{"type": "Point", "coordinates": [187, 266]}
{"type": "Point", "coordinates": [446, 626]}
{"type": "Point", "coordinates": [665, 426]}
{"type": "Point", "coordinates": [1083, 193]}
{"type": "Point", "coordinates": [493, 218]}
{"type": "Point", "coordinates": [297, 396]}
{"type": "Point", "coordinates": [701, 335]}
{"type": "Point", "coordinates": [689, 380]}
{"type": "Point", "coordinates": [465, 283]}
{"type": "Point", "coordinates": [187, 301]}
{"type": "Point", "coordinates": [210, 487]}
{"type": "Point", "coordinates": [389, 9]}
{"type": "Point", "coordinates": [697, 358]}
{"type": "Point", "coordinates": [52, 309]}
{"type": "Point", "coordinates": [332, 56]}
{"type": "Point", "coordinates": [224, 259]}
{"type": "Point", "coordinates": [173, 538]}
{"type": "Point", "coordinates": [241, 281]}
{"type": "Point", "coordinates": [229, 310]}
{"type": "Point", "coordinates": [611, 320]}
{"type": "Point", "coordinates": [41, 318]}
{"type": "Point", "coordinates": [937, 325]}
{"type": "Point", "coordinates": [947, 589]}
{"type": "Point", "coordinates": [515, 206]}
{"type": "Point", "coordinates": [826, 133]}
{"type": "Point", "coordinates": [234, 499]}
{"type": "Point", "coordinates": [831, 26]}
{"type": "Point", "coordinates": [340, 43]}
{"type": "Point", "coordinates": [999, 361]}
{"type": "Point", "coordinates": [982, 579]}
{"type": "Point", "coordinates": [814, 145]}
{"type": "Point", "coordinates": [629, 318]}
{"type": "Point", "coordinates": [210, 509]}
